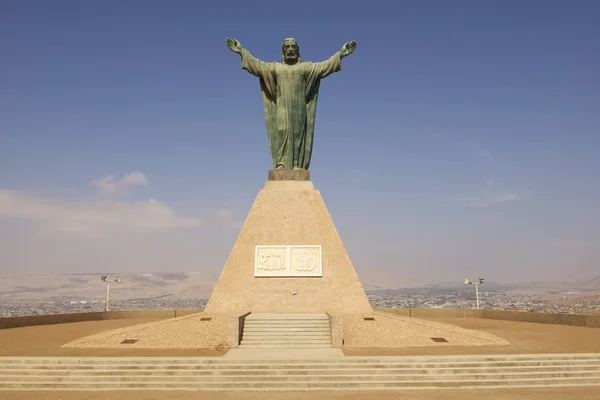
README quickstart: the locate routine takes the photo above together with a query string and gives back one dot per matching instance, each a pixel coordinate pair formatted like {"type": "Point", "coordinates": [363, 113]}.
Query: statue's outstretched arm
{"type": "Point", "coordinates": [250, 63]}
{"type": "Point", "coordinates": [348, 48]}
{"type": "Point", "coordinates": [234, 45]}
{"type": "Point", "coordinates": [325, 68]}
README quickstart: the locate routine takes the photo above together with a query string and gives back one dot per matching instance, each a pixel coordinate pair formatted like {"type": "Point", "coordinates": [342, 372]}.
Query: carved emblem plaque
{"type": "Point", "coordinates": [305, 261]}
{"type": "Point", "coordinates": [271, 261]}
{"type": "Point", "coordinates": [288, 261]}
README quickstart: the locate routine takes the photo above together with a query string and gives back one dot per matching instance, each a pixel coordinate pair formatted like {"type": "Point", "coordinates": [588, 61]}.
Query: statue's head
{"type": "Point", "coordinates": [290, 51]}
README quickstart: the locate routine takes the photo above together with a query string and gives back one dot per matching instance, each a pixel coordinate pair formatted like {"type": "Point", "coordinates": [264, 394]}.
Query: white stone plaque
{"type": "Point", "coordinates": [305, 261]}
{"type": "Point", "coordinates": [271, 261]}
{"type": "Point", "coordinates": [288, 261]}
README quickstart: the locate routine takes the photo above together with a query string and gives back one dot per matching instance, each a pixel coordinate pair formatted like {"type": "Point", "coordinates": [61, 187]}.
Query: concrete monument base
{"type": "Point", "coordinates": [288, 256]}
{"type": "Point", "coordinates": [288, 264]}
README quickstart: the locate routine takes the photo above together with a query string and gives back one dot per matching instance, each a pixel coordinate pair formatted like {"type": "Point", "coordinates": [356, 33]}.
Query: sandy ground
{"type": "Point", "coordinates": [578, 393]}
{"type": "Point", "coordinates": [525, 338]}
{"type": "Point", "coordinates": [45, 341]}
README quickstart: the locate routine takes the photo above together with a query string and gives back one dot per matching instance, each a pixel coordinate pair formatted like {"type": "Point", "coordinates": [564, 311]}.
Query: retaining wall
{"type": "Point", "coordinates": [17, 322]}
{"type": "Point", "coordinates": [590, 321]}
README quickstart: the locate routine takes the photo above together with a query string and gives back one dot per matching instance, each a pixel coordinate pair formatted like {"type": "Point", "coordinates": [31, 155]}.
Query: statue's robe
{"type": "Point", "coordinates": [290, 95]}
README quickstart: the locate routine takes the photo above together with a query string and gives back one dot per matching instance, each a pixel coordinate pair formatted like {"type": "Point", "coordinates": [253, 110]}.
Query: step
{"type": "Point", "coordinates": [285, 341]}
{"type": "Point", "coordinates": [254, 316]}
{"type": "Point", "coordinates": [383, 362]}
{"type": "Point", "coordinates": [316, 324]}
{"type": "Point", "coordinates": [319, 327]}
{"type": "Point", "coordinates": [296, 371]}
{"type": "Point", "coordinates": [359, 362]}
{"type": "Point", "coordinates": [286, 321]}
{"type": "Point", "coordinates": [279, 336]}
{"type": "Point", "coordinates": [309, 365]}
{"type": "Point", "coordinates": [280, 328]}
{"type": "Point", "coordinates": [313, 385]}
{"type": "Point", "coordinates": [299, 378]}
{"type": "Point", "coordinates": [286, 337]}
{"type": "Point", "coordinates": [286, 367]}
{"type": "Point", "coordinates": [304, 371]}
{"type": "Point", "coordinates": [288, 331]}
{"type": "Point", "coordinates": [284, 346]}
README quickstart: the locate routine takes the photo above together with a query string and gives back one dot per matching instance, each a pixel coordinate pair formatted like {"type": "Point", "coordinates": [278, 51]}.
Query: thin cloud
{"type": "Point", "coordinates": [479, 150]}
{"type": "Point", "coordinates": [110, 186]}
{"type": "Point", "coordinates": [227, 220]}
{"type": "Point", "coordinates": [489, 196]}
{"type": "Point", "coordinates": [99, 216]}
{"type": "Point", "coordinates": [224, 213]}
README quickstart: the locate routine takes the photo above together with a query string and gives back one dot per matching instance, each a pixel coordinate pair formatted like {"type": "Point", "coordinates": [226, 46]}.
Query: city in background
{"type": "Point", "coordinates": [55, 294]}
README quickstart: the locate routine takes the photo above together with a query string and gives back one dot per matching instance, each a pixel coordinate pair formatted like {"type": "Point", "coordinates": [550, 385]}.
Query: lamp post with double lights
{"type": "Point", "coordinates": [476, 283]}
{"type": "Point", "coordinates": [118, 279]}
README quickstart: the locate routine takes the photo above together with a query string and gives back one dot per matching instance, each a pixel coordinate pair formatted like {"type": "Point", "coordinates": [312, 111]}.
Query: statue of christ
{"type": "Point", "coordinates": [290, 90]}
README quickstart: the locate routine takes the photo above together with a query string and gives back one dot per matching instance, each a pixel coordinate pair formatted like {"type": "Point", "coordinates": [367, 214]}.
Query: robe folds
{"type": "Point", "coordinates": [290, 94]}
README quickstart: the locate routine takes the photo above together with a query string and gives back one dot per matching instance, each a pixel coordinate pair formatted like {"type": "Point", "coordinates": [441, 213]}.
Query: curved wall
{"type": "Point", "coordinates": [590, 321]}
{"type": "Point", "coordinates": [17, 322]}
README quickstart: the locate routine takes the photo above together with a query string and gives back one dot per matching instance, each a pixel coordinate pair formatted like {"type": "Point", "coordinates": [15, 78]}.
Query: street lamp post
{"type": "Point", "coordinates": [477, 283]}
{"type": "Point", "coordinates": [118, 279]}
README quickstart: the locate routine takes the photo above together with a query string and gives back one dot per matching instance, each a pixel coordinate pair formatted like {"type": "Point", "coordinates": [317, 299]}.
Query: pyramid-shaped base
{"type": "Point", "coordinates": [288, 213]}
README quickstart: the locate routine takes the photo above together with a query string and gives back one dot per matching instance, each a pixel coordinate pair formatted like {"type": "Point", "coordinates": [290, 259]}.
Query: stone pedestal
{"type": "Point", "coordinates": [288, 214]}
{"type": "Point", "coordinates": [289, 175]}
{"type": "Point", "coordinates": [289, 217]}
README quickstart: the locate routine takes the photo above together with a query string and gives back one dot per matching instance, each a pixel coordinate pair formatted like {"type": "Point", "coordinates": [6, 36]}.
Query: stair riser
{"type": "Point", "coordinates": [248, 319]}
{"type": "Point", "coordinates": [405, 360]}
{"type": "Point", "coordinates": [279, 329]}
{"type": "Point", "coordinates": [285, 326]}
{"type": "Point", "coordinates": [255, 317]}
{"type": "Point", "coordinates": [283, 331]}
{"type": "Point", "coordinates": [288, 364]}
{"type": "Point", "coordinates": [286, 321]}
{"type": "Point", "coordinates": [286, 346]}
{"type": "Point", "coordinates": [286, 337]}
{"type": "Point", "coordinates": [278, 364]}
{"type": "Point", "coordinates": [292, 378]}
{"type": "Point", "coordinates": [285, 340]}
{"type": "Point", "coordinates": [302, 386]}
{"type": "Point", "coordinates": [311, 371]}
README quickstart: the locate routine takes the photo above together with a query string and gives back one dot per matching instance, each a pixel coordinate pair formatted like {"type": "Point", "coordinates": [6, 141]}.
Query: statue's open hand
{"type": "Point", "coordinates": [348, 48]}
{"type": "Point", "coordinates": [234, 45]}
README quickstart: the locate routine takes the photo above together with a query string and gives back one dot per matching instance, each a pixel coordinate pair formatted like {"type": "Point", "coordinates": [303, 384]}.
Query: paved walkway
{"type": "Point", "coordinates": [578, 393]}
{"type": "Point", "coordinates": [284, 354]}
{"type": "Point", "coordinates": [525, 338]}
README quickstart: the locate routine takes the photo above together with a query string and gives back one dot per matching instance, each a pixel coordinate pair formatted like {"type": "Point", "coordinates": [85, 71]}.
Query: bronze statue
{"type": "Point", "coordinates": [290, 90]}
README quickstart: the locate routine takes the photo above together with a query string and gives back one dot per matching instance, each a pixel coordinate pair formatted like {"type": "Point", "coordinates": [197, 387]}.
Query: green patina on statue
{"type": "Point", "coordinates": [290, 90]}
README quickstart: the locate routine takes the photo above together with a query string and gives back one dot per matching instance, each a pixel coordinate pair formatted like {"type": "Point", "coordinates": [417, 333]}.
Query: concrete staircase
{"type": "Point", "coordinates": [286, 331]}
{"type": "Point", "coordinates": [348, 373]}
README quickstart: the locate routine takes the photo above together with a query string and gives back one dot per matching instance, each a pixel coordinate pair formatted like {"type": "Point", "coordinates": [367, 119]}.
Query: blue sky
{"type": "Point", "coordinates": [461, 138]}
